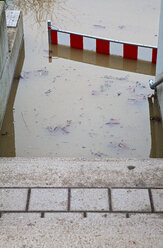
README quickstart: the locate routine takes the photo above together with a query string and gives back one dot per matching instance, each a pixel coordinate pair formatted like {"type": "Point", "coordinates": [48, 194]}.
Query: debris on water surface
{"type": "Point", "coordinates": [102, 88]}
{"type": "Point", "coordinates": [107, 85]}
{"type": "Point", "coordinates": [47, 92]}
{"type": "Point", "coordinates": [18, 77]}
{"type": "Point", "coordinates": [107, 77]}
{"type": "Point", "coordinates": [137, 99]}
{"type": "Point", "coordinates": [155, 118]}
{"type": "Point", "coordinates": [43, 72]}
{"type": "Point", "coordinates": [150, 96]}
{"type": "Point", "coordinates": [60, 128]}
{"type": "Point", "coordinates": [98, 154]}
{"type": "Point", "coordinates": [4, 134]}
{"type": "Point", "coordinates": [56, 129]}
{"type": "Point", "coordinates": [119, 93]}
{"type": "Point", "coordinates": [65, 130]}
{"type": "Point", "coordinates": [98, 26]}
{"type": "Point", "coordinates": [113, 122]}
{"type": "Point", "coordinates": [131, 89]}
{"type": "Point", "coordinates": [132, 100]}
{"type": "Point", "coordinates": [140, 85]}
{"type": "Point", "coordinates": [121, 78]}
{"type": "Point", "coordinates": [120, 145]}
{"type": "Point", "coordinates": [95, 93]}
{"type": "Point", "coordinates": [141, 97]}
{"type": "Point", "coordinates": [24, 121]}
{"type": "Point", "coordinates": [92, 135]}
{"type": "Point", "coordinates": [26, 74]}
{"type": "Point", "coordinates": [54, 79]}
{"type": "Point", "coordinates": [123, 146]}
{"type": "Point", "coordinates": [69, 122]}
{"type": "Point", "coordinates": [121, 26]}
{"type": "Point", "coordinates": [40, 72]}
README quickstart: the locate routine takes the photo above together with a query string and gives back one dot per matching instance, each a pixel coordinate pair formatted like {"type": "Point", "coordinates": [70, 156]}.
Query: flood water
{"type": "Point", "coordinates": [64, 106]}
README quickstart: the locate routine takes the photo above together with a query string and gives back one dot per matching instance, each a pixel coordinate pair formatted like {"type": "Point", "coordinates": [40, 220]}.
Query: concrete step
{"type": "Point", "coordinates": [59, 172]}
{"type": "Point", "coordinates": [65, 230]}
{"type": "Point", "coordinates": [47, 202]}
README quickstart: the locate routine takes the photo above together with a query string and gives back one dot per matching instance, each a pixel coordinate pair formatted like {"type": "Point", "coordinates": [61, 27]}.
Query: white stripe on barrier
{"type": "Point", "coordinates": [89, 44]}
{"type": "Point", "coordinates": [145, 53]}
{"type": "Point", "coordinates": [116, 49]}
{"type": "Point", "coordinates": [63, 39]}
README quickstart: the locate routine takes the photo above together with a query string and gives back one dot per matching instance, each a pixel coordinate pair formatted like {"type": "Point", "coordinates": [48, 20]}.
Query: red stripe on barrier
{"type": "Point", "coordinates": [76, 41]}
{"type": "Point", "coordinates": [130, 51]}
{"type": "Point", "coordinates": [54, 37]}
{"type": "Point", "coordinates": [154, 55]}
{"type": "Point", "coordinates": [102, 46]}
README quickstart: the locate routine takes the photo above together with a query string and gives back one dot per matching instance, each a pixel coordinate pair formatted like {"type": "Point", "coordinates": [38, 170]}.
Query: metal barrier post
{"type": "Point", "coordinates": [49, 31]}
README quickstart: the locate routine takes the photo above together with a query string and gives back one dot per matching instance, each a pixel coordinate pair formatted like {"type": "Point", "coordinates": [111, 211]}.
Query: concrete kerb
{"type": "Point", "coordinates": [49, 172]}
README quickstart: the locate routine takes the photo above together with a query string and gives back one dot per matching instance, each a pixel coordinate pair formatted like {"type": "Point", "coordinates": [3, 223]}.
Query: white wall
{"type": "Point", "coordinates": [159, 66]}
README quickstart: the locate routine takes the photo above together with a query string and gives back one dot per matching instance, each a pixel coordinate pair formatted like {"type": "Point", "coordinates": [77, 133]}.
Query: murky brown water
{"type": "Point", "coordinates": [64, 107]}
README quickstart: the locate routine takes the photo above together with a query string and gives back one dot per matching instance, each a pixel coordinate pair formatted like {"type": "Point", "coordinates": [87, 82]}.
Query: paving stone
{"type": "Point", "coordinates": [130, 200]}
{"type": "Point", "coordinates": [89, 199]}
{"type": "Point", "coordinates": [48, 199]}
{"type": "Point", "coordinates": [13, 199]}
{"type": "Point", "coordinates": [157, 195]}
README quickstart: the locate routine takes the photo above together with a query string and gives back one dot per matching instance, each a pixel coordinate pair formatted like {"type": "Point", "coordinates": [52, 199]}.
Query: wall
{"type": "Point", "coordinates": [3, 39]}
{"type": "Point", "coordinates": [159, 66]}
{"type": "Point", "coordinates": [8, 59]}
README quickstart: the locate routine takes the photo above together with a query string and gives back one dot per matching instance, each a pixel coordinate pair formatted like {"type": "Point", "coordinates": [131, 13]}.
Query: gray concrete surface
{"type": "Point", "coordinates": [60, 172]}
{"type": "Point", "coordinates": [64, 230]}
{"type": "Point", "coordinates": [46, 202]}
{"type": "Point", "coordinates": [131, 200]}
{"type": "Point", "coordinates": [158, 199]}
{"type": "Point", "coordinates": [13, 199]}
{"type": "Point", "coordinates": [89, 199]}
{"type": "Point", "coordinates": [10, 45]}
{"type": "Point", "coordinates": [109, 200]}
{"type": "Point", "coordinates": [48, 199]}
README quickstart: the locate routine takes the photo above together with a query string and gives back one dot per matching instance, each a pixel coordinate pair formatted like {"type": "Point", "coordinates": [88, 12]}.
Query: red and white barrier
{"type": "Point", "coordinates": [101, 45]}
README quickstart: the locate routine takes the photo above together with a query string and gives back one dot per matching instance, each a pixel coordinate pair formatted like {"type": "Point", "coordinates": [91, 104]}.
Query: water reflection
{"type": "Point", "coordinates": [156, 128]}
{"type": "Point", "coordinates": [39, 10]}
{"type": "Point", "coordinates": [114, 62]}
{"type": "Point", "coordinates": [7, 133]}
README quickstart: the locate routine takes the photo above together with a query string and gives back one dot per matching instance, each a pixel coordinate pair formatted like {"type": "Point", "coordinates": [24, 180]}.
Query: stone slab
{"type": "Point", "coordinates": [13, 199]}
{"type": "Point", "coordinates": [80, 173]}
{"type": "Point", "coordinates": [12, 17]}
{"type": "Point", "coordinates": [157, 195]}
{"type": "Point", "coordinates": [89, 199]}
{"type": "Point", "coordinates": [48, 199]}
{"type": "Point", "coordinates": [72, 230]}
{"type": "Point", "coordinates": [130, 200]}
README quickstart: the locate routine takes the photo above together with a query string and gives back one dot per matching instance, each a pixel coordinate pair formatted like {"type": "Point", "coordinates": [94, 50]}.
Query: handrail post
{"type": "Point", "coordinates": [49, 31]}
